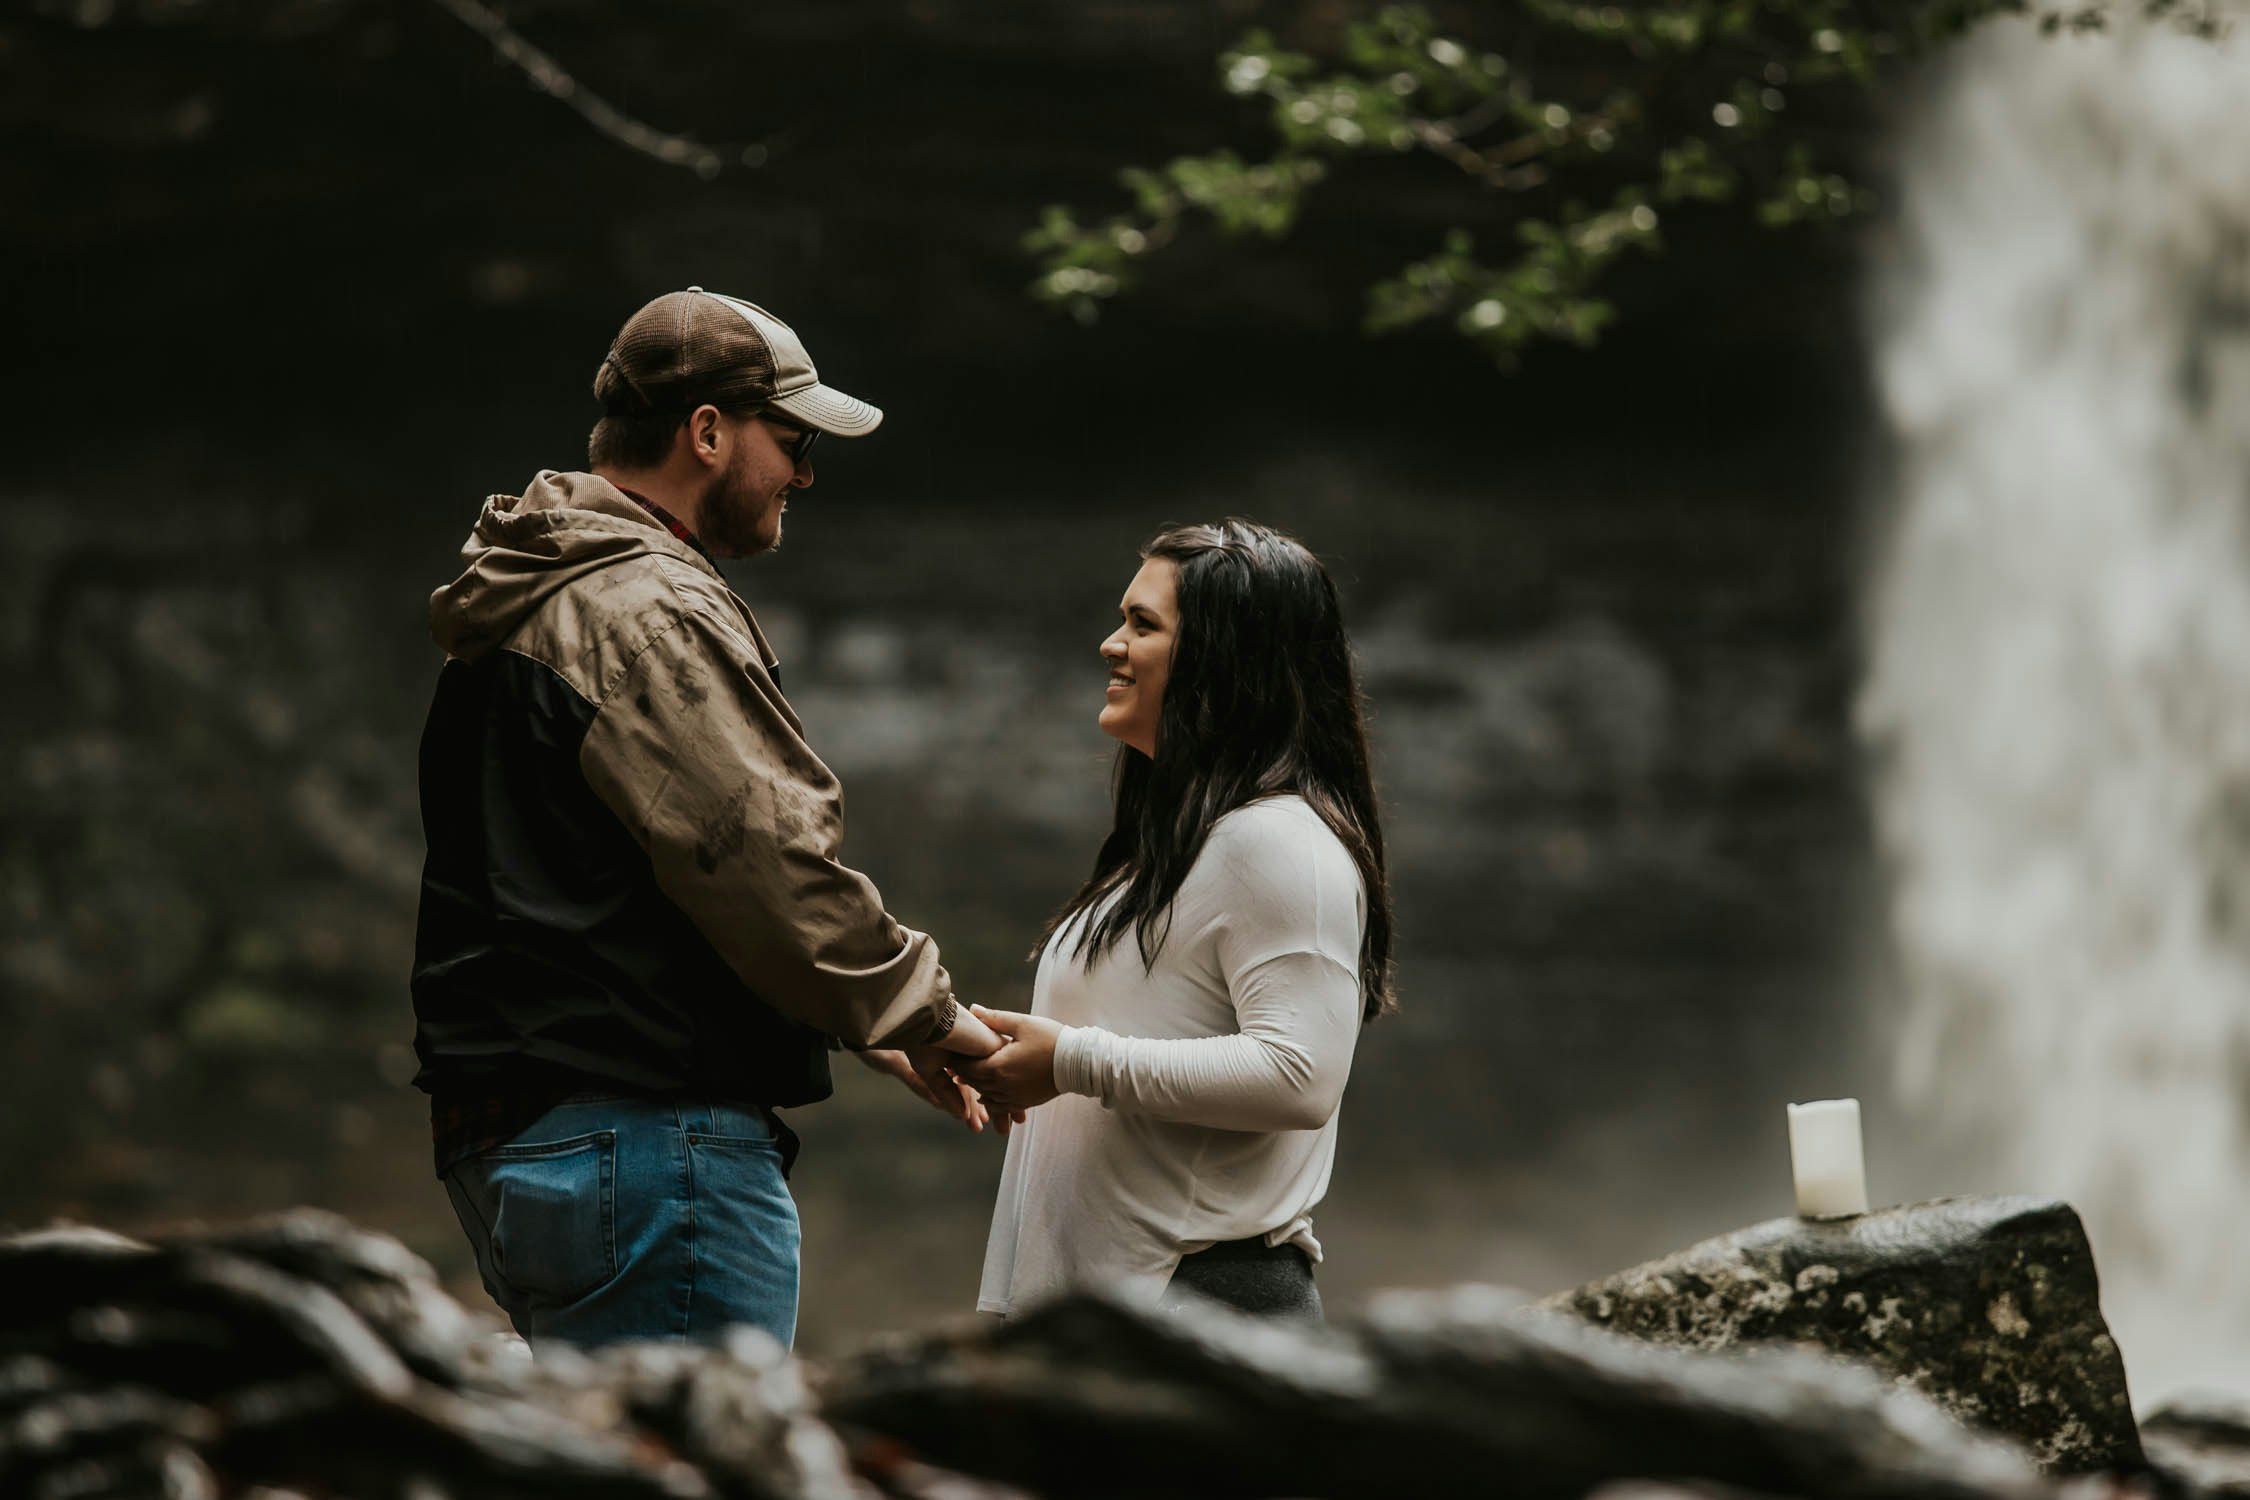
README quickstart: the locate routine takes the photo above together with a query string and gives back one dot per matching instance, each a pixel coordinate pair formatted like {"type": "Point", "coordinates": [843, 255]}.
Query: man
{"type": "Point", "coordinates": [637, 937]}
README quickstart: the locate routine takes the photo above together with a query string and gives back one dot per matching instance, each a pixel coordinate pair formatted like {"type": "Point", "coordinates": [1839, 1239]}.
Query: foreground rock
{"type": "Point", "coordinates": [2200, 1446]}
{"type": "Point", "coordinates": [1988, 1306]}
{"type": "Point", "coordinates": [1432, 1394]}
{"type": "Point", "coordinates": [305, 1355]}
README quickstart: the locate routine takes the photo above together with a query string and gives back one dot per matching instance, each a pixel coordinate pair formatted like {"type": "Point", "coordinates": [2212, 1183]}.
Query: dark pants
{"type": "Point", "coordinates": [1250, 1276]}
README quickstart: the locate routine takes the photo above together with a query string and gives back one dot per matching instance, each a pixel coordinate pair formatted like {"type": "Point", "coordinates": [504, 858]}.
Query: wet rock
{"type": "Point", "coordinates": [1988, 1306]}
{"type": "Point", "coordinates": [385, 1284]}
{"type": "Point", "coordinates": [1439, 1393]}
{"type": "Point", "coordinates": [2200, 1446]}
{"type": "Point", "coordinates": [303, 1354]}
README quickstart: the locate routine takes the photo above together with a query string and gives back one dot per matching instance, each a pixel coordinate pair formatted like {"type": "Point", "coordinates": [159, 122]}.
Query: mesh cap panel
{"type": "Point", "coordinates": [688, 348]}
{"type": "Point", "coordinates": [682, 350]}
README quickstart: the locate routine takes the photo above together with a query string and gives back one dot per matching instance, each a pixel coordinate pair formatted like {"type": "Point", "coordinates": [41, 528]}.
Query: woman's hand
{"type": "Point", "coordinates": [1021, 1075]}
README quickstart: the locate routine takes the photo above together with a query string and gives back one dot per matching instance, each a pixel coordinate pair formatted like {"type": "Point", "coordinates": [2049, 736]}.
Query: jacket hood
{"type": "Point", "coordinates": [526, 548]}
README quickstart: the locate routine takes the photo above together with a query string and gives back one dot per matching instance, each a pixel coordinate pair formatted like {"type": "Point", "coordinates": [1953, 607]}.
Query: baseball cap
{"type": "Point", "coordinates": [686, 348]}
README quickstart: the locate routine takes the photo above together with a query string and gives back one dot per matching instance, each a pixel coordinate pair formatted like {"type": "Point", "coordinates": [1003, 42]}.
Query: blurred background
{"type": "Point", "coordinates": [1831, 684]}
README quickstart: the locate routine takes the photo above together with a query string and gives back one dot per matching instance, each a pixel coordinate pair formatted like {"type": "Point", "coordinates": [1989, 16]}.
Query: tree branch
{"type": "Point", "coordinates": [553, 79]}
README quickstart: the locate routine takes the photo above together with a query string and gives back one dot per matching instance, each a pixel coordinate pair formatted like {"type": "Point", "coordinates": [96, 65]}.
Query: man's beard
{"type": "Point", "coordinates": [733, 511]}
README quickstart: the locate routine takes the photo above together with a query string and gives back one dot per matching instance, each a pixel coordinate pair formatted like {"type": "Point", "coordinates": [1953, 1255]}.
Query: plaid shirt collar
{"type": "Point", "coordinates": [670, 523]}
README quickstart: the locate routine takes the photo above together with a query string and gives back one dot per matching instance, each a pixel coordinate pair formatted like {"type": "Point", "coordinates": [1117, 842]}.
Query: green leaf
{"type": "Point", "coordinates": [1698, 101]}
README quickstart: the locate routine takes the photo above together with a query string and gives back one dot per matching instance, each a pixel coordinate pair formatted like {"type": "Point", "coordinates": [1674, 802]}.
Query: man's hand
{"type": "Point", "coordinates": [1021, 1075]}
{"type": "Point", "coordinates": [923, 1071]}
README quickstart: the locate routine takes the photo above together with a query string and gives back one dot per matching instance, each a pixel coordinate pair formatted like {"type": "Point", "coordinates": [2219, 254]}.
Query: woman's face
{"type": "Point", "coordinates": [1139, 655]}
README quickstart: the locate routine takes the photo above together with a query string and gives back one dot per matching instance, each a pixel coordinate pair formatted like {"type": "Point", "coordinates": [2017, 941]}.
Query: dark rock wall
{"type": "Point", "coordinates": [297, 286]}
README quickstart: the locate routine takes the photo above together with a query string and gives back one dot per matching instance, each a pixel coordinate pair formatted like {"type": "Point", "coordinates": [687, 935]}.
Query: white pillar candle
{"type": "Point", "coordinates": [1824, 1152]}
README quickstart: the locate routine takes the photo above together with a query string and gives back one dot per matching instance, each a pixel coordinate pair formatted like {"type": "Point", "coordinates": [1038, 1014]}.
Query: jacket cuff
{"type": "Point", "coordinates": [948, 1011]}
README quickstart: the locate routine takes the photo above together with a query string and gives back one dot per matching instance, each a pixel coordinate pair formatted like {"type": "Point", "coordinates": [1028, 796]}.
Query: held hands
{"type": "Point", "coordinates": [930, 1072]}
{"type": "Point", "coordinates": [1021, 1074]}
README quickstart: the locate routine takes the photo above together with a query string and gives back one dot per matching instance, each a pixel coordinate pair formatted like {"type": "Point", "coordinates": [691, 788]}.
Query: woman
{"type": "Point", "coordinates": [1197, 1001]}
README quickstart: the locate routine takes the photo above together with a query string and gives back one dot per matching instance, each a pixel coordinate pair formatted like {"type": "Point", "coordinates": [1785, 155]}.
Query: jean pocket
{"type": "Point", "coordinates": [739, 1184]}
{"type": "Point", "coordinates": [550, 1214]}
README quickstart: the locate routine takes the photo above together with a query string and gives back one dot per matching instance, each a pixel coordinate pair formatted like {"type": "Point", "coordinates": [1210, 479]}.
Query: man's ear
{"type": "Point", "coordinates": [706, 433]}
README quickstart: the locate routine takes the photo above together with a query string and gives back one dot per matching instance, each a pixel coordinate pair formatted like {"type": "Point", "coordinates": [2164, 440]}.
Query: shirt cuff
{"type": "Point", "coordinates": [1078, 1061]}
{"type": "Point", "coordinates": [948, 1011]}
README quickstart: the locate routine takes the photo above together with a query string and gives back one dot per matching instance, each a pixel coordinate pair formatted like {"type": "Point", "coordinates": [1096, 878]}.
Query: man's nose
{"type": "Point", "coordinates": [801, 477]}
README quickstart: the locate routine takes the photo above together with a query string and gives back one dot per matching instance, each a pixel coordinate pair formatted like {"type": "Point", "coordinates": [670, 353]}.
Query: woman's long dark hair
{"type": "Point", "coordinates": [1262, 700]}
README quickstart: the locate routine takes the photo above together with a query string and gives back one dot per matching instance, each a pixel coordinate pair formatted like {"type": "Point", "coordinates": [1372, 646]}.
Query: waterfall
{"type": "Point", "coordinates": [2057, 707]}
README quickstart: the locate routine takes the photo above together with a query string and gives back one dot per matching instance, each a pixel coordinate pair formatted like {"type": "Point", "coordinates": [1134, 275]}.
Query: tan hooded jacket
{"type": "Point", "coordinates": [693, 748]}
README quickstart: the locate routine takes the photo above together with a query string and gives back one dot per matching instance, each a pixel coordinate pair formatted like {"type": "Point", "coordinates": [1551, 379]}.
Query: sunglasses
{"type": "Point", "coordinates": [800, 447]}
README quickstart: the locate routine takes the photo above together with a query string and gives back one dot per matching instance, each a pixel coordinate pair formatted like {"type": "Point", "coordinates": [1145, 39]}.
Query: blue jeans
{"type": "Point", "coordinates": [611, 1219]}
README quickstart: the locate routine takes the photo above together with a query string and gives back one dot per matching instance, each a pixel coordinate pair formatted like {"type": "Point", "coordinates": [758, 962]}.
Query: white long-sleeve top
{"type": "Point", "coordinates": [1199, 1096]}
